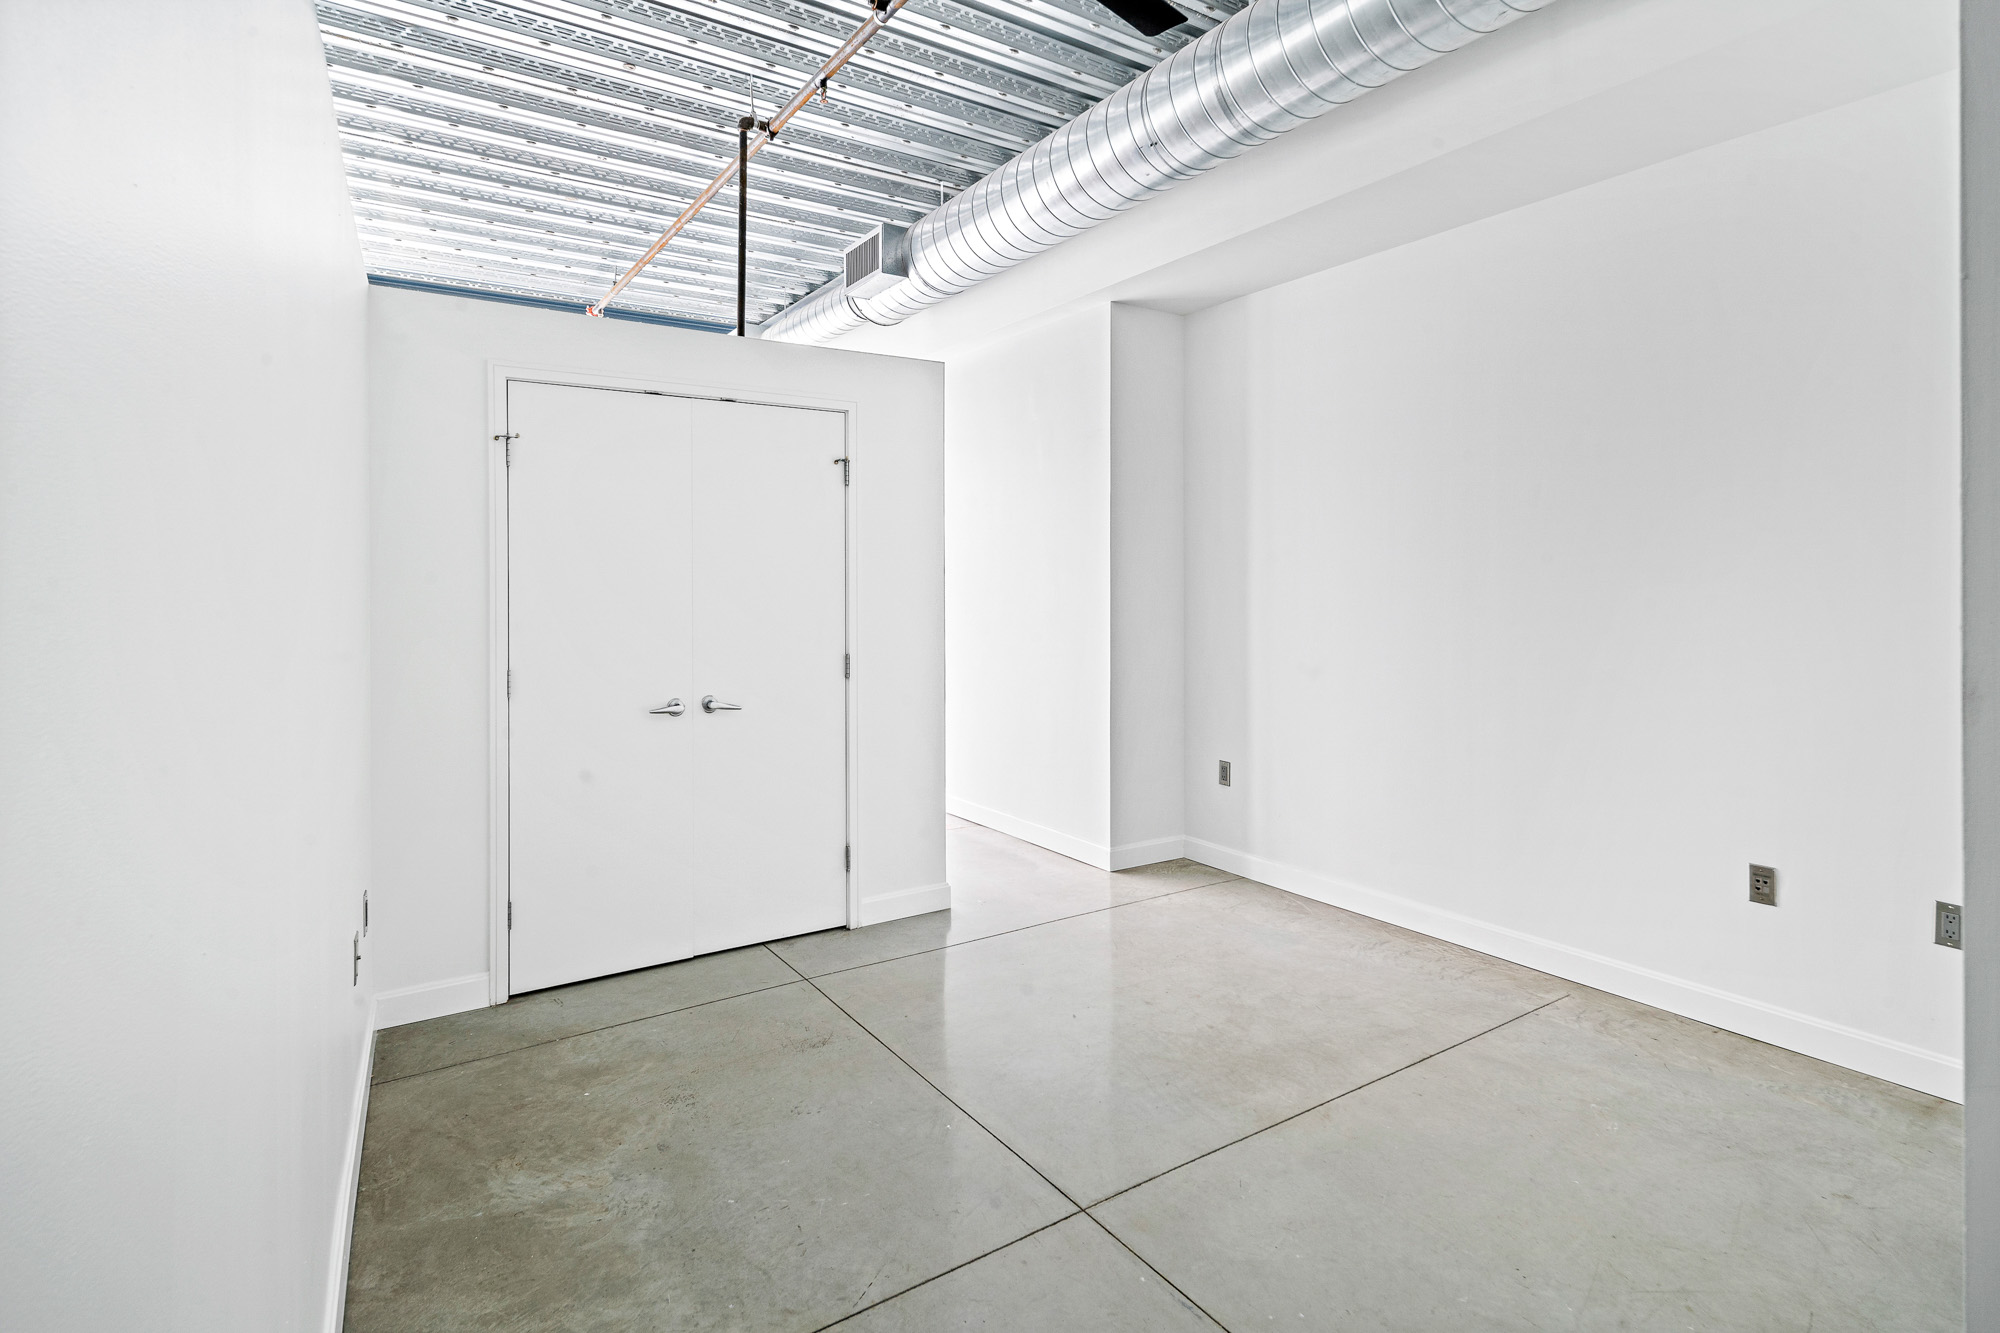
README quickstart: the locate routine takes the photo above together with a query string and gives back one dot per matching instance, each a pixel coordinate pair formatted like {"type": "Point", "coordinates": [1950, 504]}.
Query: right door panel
{"type": "Point", "coordinates": [769, 634]}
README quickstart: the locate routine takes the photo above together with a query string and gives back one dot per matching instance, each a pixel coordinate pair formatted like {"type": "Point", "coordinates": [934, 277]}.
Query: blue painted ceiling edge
{"type": "Point", "coordinates": [546, 303]}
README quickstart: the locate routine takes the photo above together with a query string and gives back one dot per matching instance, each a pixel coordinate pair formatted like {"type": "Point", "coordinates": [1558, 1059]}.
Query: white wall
{"type": "Point", "coordinates": [1537, 598]}
{"type": "Point", "coordinates": [1980, 559]}
{"type": "Point", "coordinates": [1064, 588]}
{"type": "Point", "coordinates": [1147, 587]}
{"type": "Point", "coordinates": [428, 367]}
{"type": "Point", "coordinates": [1546, 572]}
{"type": "Point", "coordinates": [1027, 558]}
{"type": "Point", "coordinates": [182, 669]}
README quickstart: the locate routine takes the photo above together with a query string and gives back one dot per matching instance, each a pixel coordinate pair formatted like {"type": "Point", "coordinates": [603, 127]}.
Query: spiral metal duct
{"type": "Point", "coordinates": [1275, 65]}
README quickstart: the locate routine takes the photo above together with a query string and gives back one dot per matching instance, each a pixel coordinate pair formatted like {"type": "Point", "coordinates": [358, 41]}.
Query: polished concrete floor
{"type": "Point", "coordinates": [1166, 1099]}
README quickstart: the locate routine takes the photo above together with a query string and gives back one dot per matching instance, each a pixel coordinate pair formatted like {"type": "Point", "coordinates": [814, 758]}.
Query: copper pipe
{"type": "Point", "coordinates": [884, 10]}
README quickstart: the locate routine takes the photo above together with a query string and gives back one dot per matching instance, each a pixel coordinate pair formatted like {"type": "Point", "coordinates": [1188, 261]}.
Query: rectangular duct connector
{"type": "Point", "coordinates": [879, 261]}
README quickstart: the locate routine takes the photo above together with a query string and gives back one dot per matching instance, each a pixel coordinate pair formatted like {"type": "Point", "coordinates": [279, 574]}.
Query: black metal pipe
{"type": "Point", "coordinates": [743, 128]}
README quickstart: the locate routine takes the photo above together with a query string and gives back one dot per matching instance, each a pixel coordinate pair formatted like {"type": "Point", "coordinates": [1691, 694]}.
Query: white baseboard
{"type": "Point", "coordinates": [1065, 844]}
{"type": "Point", "coordinates": [1131, 855]}
{"type": "Point", "coordinates": [433, 999]}
{"type": "Point", "coordinates": [900, 903]}
{"type": "Point", "coordinates": [350, 1183]}
{"type": "Point", "coordinates": [1933, 1072]}
{"type": "Point", "coordinates": [1125, 856]}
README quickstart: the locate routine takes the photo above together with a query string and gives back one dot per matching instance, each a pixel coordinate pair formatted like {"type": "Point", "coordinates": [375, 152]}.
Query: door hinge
{"type": "Point", "coordinates": [510, 914]}
{"type": "Point", "coordinates": [510, 682]}
{"type": "Point", "coordinates": [847, 857]}
{"type": "Point", "coordinates": [847, 666]}
{"type": "Point", "coordinates": [843, 470]}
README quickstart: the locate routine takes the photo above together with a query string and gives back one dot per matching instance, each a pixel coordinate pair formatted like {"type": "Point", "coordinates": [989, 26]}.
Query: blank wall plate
{"type": "Point", "coordinates": [1950, 925]}
{"type": "Point", "coordinates": [1764, 885]}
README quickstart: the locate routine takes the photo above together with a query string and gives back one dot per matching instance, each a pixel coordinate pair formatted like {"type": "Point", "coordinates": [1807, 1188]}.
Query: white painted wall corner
{"type": "Point", "coordinates": [1063, 844]}
{"type": "Point", "coordinates": [1131, 855]}
{"type": "Point", "coordinates": [1125, 856]}
{"type": "Point", "coordinates": [899, 903]}
{"type": "Point", "coordinates": [433, 999]}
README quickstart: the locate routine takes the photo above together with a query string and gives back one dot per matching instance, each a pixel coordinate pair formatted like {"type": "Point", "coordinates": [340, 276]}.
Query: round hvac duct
{"type": "Point", "coordinates": [1273, 66]}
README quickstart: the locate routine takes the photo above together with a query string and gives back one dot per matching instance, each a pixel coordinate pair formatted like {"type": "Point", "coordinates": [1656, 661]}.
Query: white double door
{"type": "Point", "coordinates": [664, 551]}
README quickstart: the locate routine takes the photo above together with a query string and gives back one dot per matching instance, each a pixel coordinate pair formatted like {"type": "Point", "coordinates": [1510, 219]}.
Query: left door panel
{"type": "Point", "coordinates": [598, 615]}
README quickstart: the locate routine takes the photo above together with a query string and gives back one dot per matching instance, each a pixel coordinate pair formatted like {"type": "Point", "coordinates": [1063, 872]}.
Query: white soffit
{"type": "Point", "coordinates": [535, 149]}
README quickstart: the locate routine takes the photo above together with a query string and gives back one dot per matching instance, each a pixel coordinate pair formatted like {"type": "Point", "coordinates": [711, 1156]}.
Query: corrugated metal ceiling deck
{"type": "Point", "coordinates": [537, 148]}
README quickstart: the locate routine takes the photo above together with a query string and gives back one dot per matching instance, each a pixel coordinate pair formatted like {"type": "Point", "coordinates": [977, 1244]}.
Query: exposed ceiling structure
{"type": "Point", "coordinates": [536, 148]}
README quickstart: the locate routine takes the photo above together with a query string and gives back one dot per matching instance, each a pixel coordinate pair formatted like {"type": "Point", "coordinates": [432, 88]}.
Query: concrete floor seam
{"type": "Point", "coordinates": [1172, 1285]}
{"type": "Point", "coordinates": [942, 1093]}
{"type": "Point", "coordinates": [766, 948]}
{"type": "Point", "coordinates": [571, 1036]}
{"type": "Point", "coordinates": [1016, 930]}
{"type": "Point", "coordinates": [1175, 1287]}
{"type": "Point", "coordinates": [914, 1286]}
{"type": "Point", "coordinates": [1074, 1205]}
{"type": "Point", "coordinates": [1265, 1129]}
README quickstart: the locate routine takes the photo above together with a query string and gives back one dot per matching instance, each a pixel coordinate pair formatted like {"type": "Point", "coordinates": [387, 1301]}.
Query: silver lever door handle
{"type": "Point", "coordinates": [709, 704]}
{"type": "Point", "coordinates": [672, 708]}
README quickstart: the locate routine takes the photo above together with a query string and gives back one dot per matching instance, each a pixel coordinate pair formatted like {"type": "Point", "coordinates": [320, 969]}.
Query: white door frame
{"type": "Point", "coordinates": [498, 375]}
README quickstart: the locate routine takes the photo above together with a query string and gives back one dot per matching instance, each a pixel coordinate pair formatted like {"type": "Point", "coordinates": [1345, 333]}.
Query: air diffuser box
{"type": "Point", "coordinates": [879, 261]}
